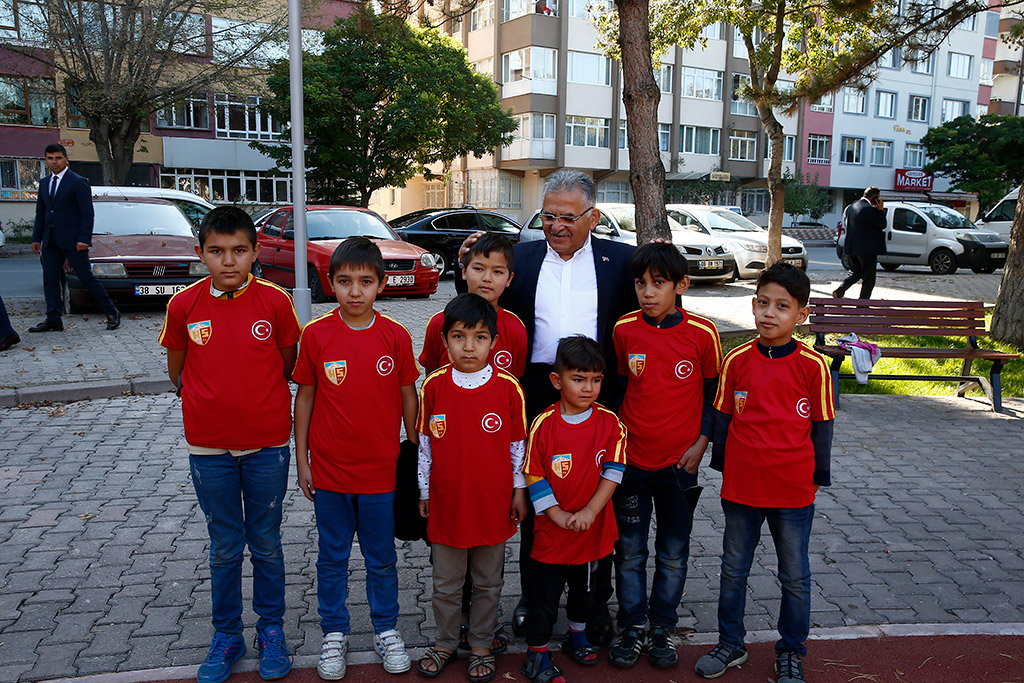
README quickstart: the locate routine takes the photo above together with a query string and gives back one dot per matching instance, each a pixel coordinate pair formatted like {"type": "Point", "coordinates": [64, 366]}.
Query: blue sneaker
{"type": "Point", "coordinates": [275, 660]}
{"type": "Point", "coordinates": [225, 650]}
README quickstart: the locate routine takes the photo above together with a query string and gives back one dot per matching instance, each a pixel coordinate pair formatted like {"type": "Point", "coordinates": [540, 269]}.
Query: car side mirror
{"type": "Point", "coordinates": [603, 230]}
{"type": "Point", "coordinates": [288, 235]}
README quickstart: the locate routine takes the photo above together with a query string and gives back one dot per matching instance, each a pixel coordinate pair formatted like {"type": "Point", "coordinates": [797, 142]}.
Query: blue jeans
{"type": "Point", "coordinates": [791, 531]}
{"type": "Point", "coordinates": [672, 495]}
{"type": "Point", "coordinates": [338, 517]}
{"type": "Point", "coordinates": [242, 499]}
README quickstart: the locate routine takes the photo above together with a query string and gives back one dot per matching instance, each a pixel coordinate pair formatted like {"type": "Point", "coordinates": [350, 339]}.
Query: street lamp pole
{"type": "Point", "coordinates": [301, 292]}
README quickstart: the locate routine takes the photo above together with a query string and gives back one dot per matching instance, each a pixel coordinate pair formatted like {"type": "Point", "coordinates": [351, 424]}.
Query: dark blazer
{"type": "Point", "coordinates": [865, 229]}
{"type": "Point", "coordinates": [66, 219]}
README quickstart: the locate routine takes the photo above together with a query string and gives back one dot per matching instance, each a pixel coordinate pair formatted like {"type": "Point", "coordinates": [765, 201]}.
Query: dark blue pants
{"type": "Point", "coordinates": [5, 323]}
{"type": "Point", "coordinates": [52, 258]}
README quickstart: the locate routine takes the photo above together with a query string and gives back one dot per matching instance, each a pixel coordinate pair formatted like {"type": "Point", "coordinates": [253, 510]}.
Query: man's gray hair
{"type": "Point", "coordinates": [569, 181]}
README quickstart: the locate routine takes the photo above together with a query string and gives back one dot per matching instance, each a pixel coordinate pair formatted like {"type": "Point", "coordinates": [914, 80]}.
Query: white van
{"type": "Point", "coordinates": [1000, 218]}
{"type": "Point", "coordinates": [193, 206]}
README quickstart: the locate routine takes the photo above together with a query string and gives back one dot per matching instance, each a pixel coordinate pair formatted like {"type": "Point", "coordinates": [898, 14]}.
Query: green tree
{"type": "Point", "coordinates": [383, 102]}
{"type": "Point", "coordinates": [804, 197]}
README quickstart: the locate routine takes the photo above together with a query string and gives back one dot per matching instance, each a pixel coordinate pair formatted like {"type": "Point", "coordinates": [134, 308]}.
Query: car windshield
{"type": "Point", "coordinates": [338, 225]}
{"type": "Point", "coordinates": [140, 218]}
{"type": "Point", "coordinates": [625, 216]}
{"type": "Point", "coordinates": [729, 221]}
{"type": "Point", "coordinates": [947, 218]}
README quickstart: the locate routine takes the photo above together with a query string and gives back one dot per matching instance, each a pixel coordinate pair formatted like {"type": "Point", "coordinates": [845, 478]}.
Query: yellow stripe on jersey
{"type": "Point", "coordinates": [163, 330]}
{"type": "Point", "coordinates": [510, 313]}
{"type": "Point", "coordinates": [397, 323]}
{"type": "Point", "coordinates": [421, 425]}
{"type": "Point", "coordinates": [628, 318]}
{"type": "Point", "coordinates": [533, 429]}
{"type": "Point", "coordinates": [827, 407]}
{"type": "Point", "coordinates": [709, 327]}
{"type": "Point", "coordinates": [284, 291]}
{"type": "Point", "coordinates": [620, 443]}
{"type": "Point", "coordinates": [519, 390]}
{"type": "Point", "coordinates": [733, 355]}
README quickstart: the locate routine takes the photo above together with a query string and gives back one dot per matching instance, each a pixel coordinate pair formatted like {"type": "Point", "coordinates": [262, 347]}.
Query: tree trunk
{"type": "Point", "coordinates": [364, 196]}
{"type": "Point", "coordinates": [641, 95]}
{"type": "Point", "coordinates": [776, 187]}
{"type": "Point", "coordinates": [115, 147]}
{"type": "Point", "coordinates": [1008, 317]}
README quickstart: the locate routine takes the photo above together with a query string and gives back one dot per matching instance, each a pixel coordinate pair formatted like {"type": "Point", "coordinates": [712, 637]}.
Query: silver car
{"type": "Point", "coordinates": [707, 258]}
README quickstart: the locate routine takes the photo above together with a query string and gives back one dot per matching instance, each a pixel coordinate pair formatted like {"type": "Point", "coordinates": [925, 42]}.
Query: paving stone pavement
{"type": "Point", "coordinates": [103, 566]}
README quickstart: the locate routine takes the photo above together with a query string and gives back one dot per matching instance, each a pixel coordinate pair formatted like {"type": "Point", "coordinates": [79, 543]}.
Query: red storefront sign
{"type": "Point", "coordinates": [911, 179]}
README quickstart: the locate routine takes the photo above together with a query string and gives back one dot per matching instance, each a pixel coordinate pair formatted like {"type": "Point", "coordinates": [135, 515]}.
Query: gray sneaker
{"type": "Point", "coordinates": [788, 668]}
{"type": "Point", "coordinates": [716, 662]}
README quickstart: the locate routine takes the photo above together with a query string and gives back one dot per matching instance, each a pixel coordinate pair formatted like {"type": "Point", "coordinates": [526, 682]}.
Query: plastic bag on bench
{"type": "Point", "coordinates": [863, 355]}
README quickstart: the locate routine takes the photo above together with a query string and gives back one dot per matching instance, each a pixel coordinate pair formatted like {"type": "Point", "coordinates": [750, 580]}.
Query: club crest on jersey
{"type": "Point", "coordinates": [336, 371]}
{"type": "Point", "coordinates": [437, 426]}
{"type": "Point", "coordinates": [637, 361]}
{"type": "Point", "coordinates": [561, 464]}
{"type": "Point", "coordinates": [739, 399]}
{"type": "Point", "coordinates": [503, 359]}
{"type": "Point", "coordinates": [200, 332]}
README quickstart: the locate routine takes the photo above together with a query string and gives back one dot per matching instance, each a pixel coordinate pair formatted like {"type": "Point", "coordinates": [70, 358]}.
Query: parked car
{"type": "Point", "coordinates": [1000, 219]}
{"type": "Point", "coordinates": [442, 231]}
{"type": "Point", "coordinates": [193, 206]}
{"type": "Point", "coordinates": [707, 258]}
{"type": "Point", "coordinates": [143, 251]}
{"type": "Point", "coordinates": [262, 215]}
{"type": "Point", "coordinates": [934, 235]}
{"type": "Point", "coordinates": [747, 240]}
{"type": "Point", "coordinates": [410, 270]}
{"type": "Point", "coordinates": [807, 225]}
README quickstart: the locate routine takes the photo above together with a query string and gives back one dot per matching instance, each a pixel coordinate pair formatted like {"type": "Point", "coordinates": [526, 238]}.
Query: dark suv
{"type": "Point", "coordinates": [441, 231]}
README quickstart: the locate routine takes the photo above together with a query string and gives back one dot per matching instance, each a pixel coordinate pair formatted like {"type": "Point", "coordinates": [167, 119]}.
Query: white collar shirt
{"type": "Point", "coordinates": [566, 301]}
{"type": "Point", "coordinates": [55, 181]}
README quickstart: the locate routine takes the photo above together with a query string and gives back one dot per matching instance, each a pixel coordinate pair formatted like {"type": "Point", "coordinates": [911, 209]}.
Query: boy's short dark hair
{"type": "Point", "coordinates": [661, 259]}
{"type": "Point", "coordinates": [470, 310]}
{"type": "Point", "coordinates": [54, 148]}
{"type": "Point", "coordinates": [489, 243]}
{"type": "Point", "coordinates": [579, 352]}
{"type": "Point", "coordinates": [794, 280]}
{"type": "Point", "coordinates": [357, 251]}
{"type": "Point", "coordinates": [227, 220]}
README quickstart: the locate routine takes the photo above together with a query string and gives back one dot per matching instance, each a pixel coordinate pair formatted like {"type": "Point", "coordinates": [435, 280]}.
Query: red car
{"type": "Point", "coordinates": [410, 270]}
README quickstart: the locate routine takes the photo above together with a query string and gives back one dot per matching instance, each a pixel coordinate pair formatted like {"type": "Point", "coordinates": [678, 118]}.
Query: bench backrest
{"type": "Point", "coordinates": [871, 316]}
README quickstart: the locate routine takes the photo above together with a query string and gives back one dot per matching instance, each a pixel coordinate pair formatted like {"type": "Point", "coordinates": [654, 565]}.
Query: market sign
{"type": "Point", "coordinates": [721, 176]}
{"type": "Point", "coordinates": [912, 179]}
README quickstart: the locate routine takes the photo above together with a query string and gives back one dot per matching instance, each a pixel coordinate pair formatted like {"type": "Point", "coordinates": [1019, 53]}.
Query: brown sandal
{"type": "Point", "coordinates": [485, 662]}
{"type": "Point", "coordinates": [441, 660]}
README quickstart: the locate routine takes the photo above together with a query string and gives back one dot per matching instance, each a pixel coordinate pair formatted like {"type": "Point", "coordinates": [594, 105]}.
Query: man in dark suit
{"type": "Point", "coordinates": [865, 240]}
{"type": "Point", "coordinates": [63, 232]}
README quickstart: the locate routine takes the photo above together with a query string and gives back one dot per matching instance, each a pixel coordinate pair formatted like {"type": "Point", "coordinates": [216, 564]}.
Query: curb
{"type": "Point", "coordinates": [80, 391]}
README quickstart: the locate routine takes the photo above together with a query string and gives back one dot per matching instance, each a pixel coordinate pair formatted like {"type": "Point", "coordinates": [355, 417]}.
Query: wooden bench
{"type": "Point", "coordinates": [870, 317]}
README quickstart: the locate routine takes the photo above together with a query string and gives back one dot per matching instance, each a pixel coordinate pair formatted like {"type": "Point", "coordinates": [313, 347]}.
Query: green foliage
{"type": "Point", "coordinates": [984, 155]}
{"type": "Point", "coordinates": [700, 191]}
{"type": "Point", "coordinates": [804, 197]}
{"type": "Point", "coordinates": [385, 100]}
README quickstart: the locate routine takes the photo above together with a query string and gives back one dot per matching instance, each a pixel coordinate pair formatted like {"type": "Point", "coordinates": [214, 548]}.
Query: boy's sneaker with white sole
{"type": "Point", "coordinates": [332, 665]}
{"type": "Point", "coordinates": [391, 648]}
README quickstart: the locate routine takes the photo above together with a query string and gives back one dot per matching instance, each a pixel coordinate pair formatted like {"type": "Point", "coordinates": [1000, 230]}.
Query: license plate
{"type": "Point", "coordinates": [794, 262]}
{"type": "Point", "coordinates": [401, 280]}
{"type": "Point", "coordinates": [998, 254]}
{"type": "Point", "coordinates": [710, 265]}
{"type": "Point", "coordinates": [158, 290]}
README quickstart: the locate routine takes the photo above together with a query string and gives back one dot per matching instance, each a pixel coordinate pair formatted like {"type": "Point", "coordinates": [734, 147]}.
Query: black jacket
{"type": "Point", "coordinates": [865, 229]}
{"type": "Point", "coordinates": [66, 219]}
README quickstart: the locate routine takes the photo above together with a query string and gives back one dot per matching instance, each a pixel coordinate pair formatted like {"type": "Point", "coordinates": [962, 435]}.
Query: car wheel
{"type": "Point", "coordinates": [890, 266]}
{"type": "Point", "coordinates": [985, 270]}
{"type": "Point", "coordinates": [440, 262]}
{"type": "Point", "coordinates": [257, 269]}
{"type": "Point", "coordinates": [316, 291]}
{"type": "Point", "coordinates": [847, 262]}
{"type": "Point", "coordinates": [942, 262]}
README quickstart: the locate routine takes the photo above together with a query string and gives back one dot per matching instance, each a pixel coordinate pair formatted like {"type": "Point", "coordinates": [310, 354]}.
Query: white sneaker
{"type": "Point", "coordinates": [391, 648]}
{"type": "Point", "coordinates": [331, 666]}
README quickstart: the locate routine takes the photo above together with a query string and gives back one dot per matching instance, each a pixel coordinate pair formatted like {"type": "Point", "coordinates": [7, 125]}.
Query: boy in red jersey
{"type": "Point", "coordinates": [773, 444]}
{"type": "Point", "coordinates": [574, 460]}
{"type": "Point", "coordinates": [231, 345]}
{"type": "Point", "coordinates": [356, 375]}
{"type": "Point", "coordinates": [488, 271]}
{"type": "Point", "coordinates": [472, 427]}
{"type": "Point", "coordinates": [672, 357]}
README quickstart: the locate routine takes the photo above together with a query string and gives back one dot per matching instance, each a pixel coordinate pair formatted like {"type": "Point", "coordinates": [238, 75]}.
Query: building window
{"type": "Point", "coordinates": [920, 64]}
{"type": "Point", "coordinates": [482, 15]}
{"type": "Point", "coordinates": [980, 110]}
{"type": "Point", "coordinates": [699, 140]}
{"type": "Point", "coordinates": [919, 108]}
{"type": "Point", "coordinates": [853, 150]}
{"type": "Point", "coordinates": [969, 24]}
{"type": "Point", "coordinates": [739, 48]}
{"type": "Point", "coordinates": [614, 192]}
{"type": "Point", "coordinates": [623, 142]}
{"type": "Point", "coordinates": [819, 149]}
{"type": "Point", "coordinates": [741, 106]}
{"type": "Point", "coordinates": [27, 101]}
{"type": "Point", "coordinates": [885, 105]}
{"type": "Point", "coordinates": [742, 145]}
{"type": "Point", "coordinates": [992, 24]}
{"type": "Point", "coordinates": [528, 63]}
{"type": "Point", "coordinates": [755, 201]}
{"type": "Point", "coordinates": [712, 31]}
{"type": "Point", "coordinates": [824, 104]}
{"type": "Point", "coordinates": [951, 109]}
{"type": "Point", "coordinates": [986, 71]}
{"type": "Point", "coordinates": [19, 178]}
{"type": "Point", "coordinates": [230, 186]}
{"type": "Point", "coordinates": [913, 156]}
{"type": "Point", "coordinates": [434, 195]}
{"type": "Point", "coordinates": [22, 20]}
{"type": "Point", "coordinates": [585, 131]}
{"type": "Point", "coordinates": [663, 75]}
{"type": "Point", "coordinates": [75, 117]}
{"type": "Point", "coordinates": [702, 84]}
{"type": "Point", "coordinates": [193, 112]}
{"type": "Point", "coordinates": [240, 117]}
{"type": "Point", "coordinates": [664, 133]}
{"type": "Point", "coordinates": [788, 147]}
{"type": "Point", "coordinates": [510, 192]}
{"type": "Point", "coordinates": [588, 68]}
{"type": "Point", "coordinates": [578, 8]}
{"type": "Point", "coordinates": [484, 66]}
{"type": "Point", "coordinates": [959, 65]}
{"type": "Point", "coordinates": [854, 101]}
{"type": "Point", "coordinates": [520, 8]}
{"type": "Point", "coordinates": [891, 59]}
{"type": "Point", "coordinates": [881, 153]}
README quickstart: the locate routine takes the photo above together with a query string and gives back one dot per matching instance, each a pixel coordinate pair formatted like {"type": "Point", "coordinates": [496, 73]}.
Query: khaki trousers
{"type": "Point", "coordinates": [485, 564]}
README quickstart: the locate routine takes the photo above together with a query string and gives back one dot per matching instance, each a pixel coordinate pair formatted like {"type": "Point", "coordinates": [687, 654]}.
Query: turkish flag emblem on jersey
{"type": "Point", "coordinates": [336, 371]}
{"type": "Point", "coordinates": [561, 464]}
{"type": "Point", "coordinates": [637, 361]}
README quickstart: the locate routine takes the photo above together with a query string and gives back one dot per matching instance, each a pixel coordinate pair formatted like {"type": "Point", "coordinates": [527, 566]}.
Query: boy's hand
{"type": "Point", "coordinates": [692, 457]}
{"type": "Point", "coordinates": [468, 242]}
{"type": "Point", "coordinates": [425, 508]}
{"type": "Point", "coordinates": [305, 477]}
{"type": "Point", "coordinates": [560, 517]}
{"type": "Point", "coordinates": [582, 520]}
{"type": "Point", "coordinates": [519, 504]}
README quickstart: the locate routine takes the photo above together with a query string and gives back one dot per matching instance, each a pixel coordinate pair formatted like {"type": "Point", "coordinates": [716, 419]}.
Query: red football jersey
{"type": "Point", "coordinates": [666, 369]}
{"type": "Point", "coordinates": [769, 457]}
{"type": "Point", "coordinates": [355, 430]}
{"type": "Point", "coordinates": [509, 352]}
{"type": "Point", "coordinates": [570, 457]}
{"type": "Point", "coordinates": [234, 394]}
{"type": "Point", "coordinates": [471, 434]}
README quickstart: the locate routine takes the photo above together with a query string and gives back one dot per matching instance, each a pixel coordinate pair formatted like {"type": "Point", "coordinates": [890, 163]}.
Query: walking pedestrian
{"type": "Point", "coordinates": [865, 240]}
{"type": "Point", "coordinates": [8, 337]}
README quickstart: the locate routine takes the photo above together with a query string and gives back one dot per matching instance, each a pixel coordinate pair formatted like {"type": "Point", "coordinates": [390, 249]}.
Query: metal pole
{"type": "Point", "coordinates": [301, 292]}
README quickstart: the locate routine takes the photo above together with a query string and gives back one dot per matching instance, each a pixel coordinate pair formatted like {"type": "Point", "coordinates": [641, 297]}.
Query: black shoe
{"type": "Point", "coordinates": [626, 649]}
{"type": "Point", "coordinates": [788, 668]}
{"type": "Point", "coordinates": [519, 619]}
{"type": "Point", "coordinates": [114, 320]}
{"type": "Point", "coordinates": [48, 326]}
{"type": "Point", "coordinates": [661, 648]}
{"type": "Point", "coordinates": [9, 341]}
{"type": "Point", "coordinates": [836, 294]}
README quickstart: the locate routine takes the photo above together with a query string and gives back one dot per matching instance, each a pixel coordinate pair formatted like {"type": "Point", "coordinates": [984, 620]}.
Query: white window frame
{"type": "Point", "coordinates": [922, 66]}
{"type": "Point", "coordinates": [885, 104]}
{"type": "Point", "coordinates": [986, 76]}
{"type": "Point", "coordinates": [526, 62]}
{"type": "Point", "coordinates": [819, 149]}
{"type": "Point", "coordinates": [192, 112]}
{"type": "Point", "coordinates": [788, 147]}
{"type": "Point", "coordinates": [594, 131]}
{"type": "Point", "coordinates": [482, 15]}
{"type": "Point", "coordinates": [959, 65]}
{"type": "Point", "coordinates": [20, 180]}
{"type": "Point", "coordinates": [266, 128]}
{"type": "Point", "coordinates": [883, 146]}
{"type": "Point", "coordinates": [913, 155]}
{"type": "Point", "coordinates": [701, 84]}
{"type": "Point", "coordinates": [952, 109]}
{"type": "Point", "coordinates": [854, 101]}
{"type": "Point", "coordinates": [825, 103]}
{"type": "Point", "coordinates": [742, 145]}
{"type": "Point", "coordinates": [588, 68]}
{"type": "Point", "coordinates": [740, 106]}
{"type": "Point", "coordinates": [755, 201]}
{"type": "Point", "coordinates": [510, 191]}
{"type": "Point", "coordinates": [663, 75]}
{"type": "Point", "coordinates": [256, 187]}
{"type": "Point", "coordinates": [919, 109]}
{"type": "Point", "coordinates": [664, 136]}
{"type": "Point", "coordinates": [614, 192]}
{"type": "Point", "coordinates": [692, 139]}
{"type": "Point", "coordinates": [854, 145]}
{"type": "Point", "coordinates": [712, 31]}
